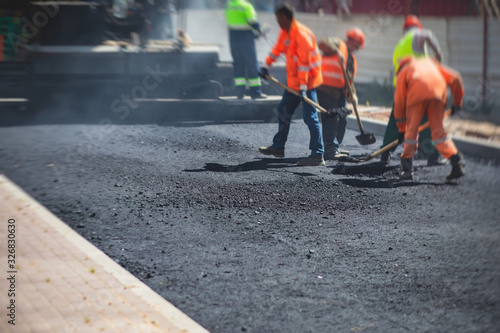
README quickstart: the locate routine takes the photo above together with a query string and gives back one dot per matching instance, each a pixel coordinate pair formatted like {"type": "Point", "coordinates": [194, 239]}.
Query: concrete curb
{"type": "Point", "coordinates": [108, 296]}
{"type": "Point", "coordinates": [468, 146]}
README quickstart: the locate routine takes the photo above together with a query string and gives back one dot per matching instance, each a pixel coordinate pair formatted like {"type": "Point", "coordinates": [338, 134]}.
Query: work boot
{"type": "Point", "coordinates": [436, 160]}
{"type": "Point", "coordinates": [280, 153]}
{"type": "Point", "coordinates": [457, 167]}
{"type": "Point", "coordinates": [259, 96]}
{"type": "Point", "coordinates": [312, 161]}
{"type": "Point", "coordinates": [338, 155]}
{"type": "Point", "coordinates": [331, 156]}
{"type": "Point", "coordinates": [345, 152]}
{"type": "Point", "coordinates": [407, 164]}
{"type": "Point", "coordinates": [385, 158]}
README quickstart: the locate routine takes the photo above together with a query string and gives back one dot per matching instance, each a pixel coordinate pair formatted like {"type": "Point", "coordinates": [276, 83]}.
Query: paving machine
{"type": "Point", "coordinates": [121, 60]}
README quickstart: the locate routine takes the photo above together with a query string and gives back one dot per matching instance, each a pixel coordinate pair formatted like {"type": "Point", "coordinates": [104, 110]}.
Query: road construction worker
{"type": "Point", "coordinates": [414, 43]}
{"type": "Point", "coordinates": [421, 90]}
{"type": "Point", "coordinates": [303, 67]}
{"type": "Point", "coordinates": [243, 29]}
{"type": "Point", "coordinates": [332, 93]}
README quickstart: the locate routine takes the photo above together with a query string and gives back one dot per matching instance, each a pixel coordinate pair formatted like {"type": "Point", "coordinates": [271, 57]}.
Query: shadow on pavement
{"type": "Point", "coordinates": [370, 170]}
{"type": "Point", "coordinates": [386, 183]}
{"type": "Point", "coordinates": [270, 164]}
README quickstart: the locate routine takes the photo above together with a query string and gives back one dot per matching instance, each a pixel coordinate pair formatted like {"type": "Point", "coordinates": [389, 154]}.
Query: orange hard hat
{"type": "Point", "coordinates": [357, 35]}
{"type": "Point", "coordinates": [412, 21]}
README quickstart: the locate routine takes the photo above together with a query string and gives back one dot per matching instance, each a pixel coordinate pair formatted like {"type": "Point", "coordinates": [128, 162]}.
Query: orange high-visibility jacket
{"type": "Point", "coordinates": [331, 70]}
{"type": "Point", "coordinates": [422, 80]}
{"type": "Point", "coordinates": [303, 60]}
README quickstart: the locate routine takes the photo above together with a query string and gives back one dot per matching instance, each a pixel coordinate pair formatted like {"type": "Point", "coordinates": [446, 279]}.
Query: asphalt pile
{"type": "Point", "coordinates": [241, 242]}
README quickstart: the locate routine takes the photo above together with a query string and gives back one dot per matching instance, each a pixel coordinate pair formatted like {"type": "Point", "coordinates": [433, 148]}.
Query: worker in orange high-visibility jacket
{"type": "Point", "coordinates": [421, 89]}
{"type": "Point", "coordinates": [332, 93]}
{"type": "Point", "coordinates": [303, 67]}
{"type": "Point", "coordinates": [303, 59]}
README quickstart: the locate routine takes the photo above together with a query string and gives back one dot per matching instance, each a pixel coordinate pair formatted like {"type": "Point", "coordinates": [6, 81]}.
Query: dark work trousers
{"type": "Point", "coordinates": [245, 63]}
{"type": "Point", "coordinates": [334, 124]}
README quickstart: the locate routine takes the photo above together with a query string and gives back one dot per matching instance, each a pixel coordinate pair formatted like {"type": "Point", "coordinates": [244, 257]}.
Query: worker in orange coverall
{"type": "Point", "coordinates": [421, 90]}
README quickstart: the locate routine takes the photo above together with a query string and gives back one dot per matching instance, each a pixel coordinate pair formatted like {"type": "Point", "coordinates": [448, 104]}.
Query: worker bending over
{"type": "Point", "coordinates": [243, 29]}
{"type": "Point", "coordinates": [303, 68]}
{"type": "Point", "coordinates": [332, 93]}
{"type": "Point", "coordinates": [421, 90]}
{"type": "Point", "coordinates": [414, 42]}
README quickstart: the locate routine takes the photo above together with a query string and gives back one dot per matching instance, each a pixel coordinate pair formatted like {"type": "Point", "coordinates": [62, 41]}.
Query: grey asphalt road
{"type": "Point", "coordinates": [240, 242]}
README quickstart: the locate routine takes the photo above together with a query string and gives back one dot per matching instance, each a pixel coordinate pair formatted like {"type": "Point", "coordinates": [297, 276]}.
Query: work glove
{"type": "Point", "coordinates": [264, 72]}
{"type": "Point", "coordinates": [401, 137]}
{"type": "Point", "coordinates": [303, 92]}
{"type": "Point", "coordinates": [264, 29]}
{"type": "Point", "coordinates": [455, 109]}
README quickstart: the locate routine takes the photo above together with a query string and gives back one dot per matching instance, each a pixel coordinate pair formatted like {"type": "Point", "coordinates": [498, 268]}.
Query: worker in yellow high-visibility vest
{"type": "Point", "coordinates": [413, 43]}
{"type": "Point", "coordinates": [243, 29]}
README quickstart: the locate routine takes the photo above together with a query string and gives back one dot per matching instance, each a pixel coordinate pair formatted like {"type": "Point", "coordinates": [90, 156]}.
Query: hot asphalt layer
{"type": "Point", "coordinates": [244, 243]}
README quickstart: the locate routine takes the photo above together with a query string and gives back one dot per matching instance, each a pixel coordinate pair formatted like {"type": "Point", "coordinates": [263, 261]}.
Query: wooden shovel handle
{"type": "Point", "coordinates": [395, 142]}
{"type": "Point", "coordinates": [306, 99]}
{"type": "Point", "coordinates": [349, 88]}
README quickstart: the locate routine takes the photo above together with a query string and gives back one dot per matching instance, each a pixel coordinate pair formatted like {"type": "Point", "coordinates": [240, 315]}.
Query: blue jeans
{"type": "Point", "coordinates": [286, 108]}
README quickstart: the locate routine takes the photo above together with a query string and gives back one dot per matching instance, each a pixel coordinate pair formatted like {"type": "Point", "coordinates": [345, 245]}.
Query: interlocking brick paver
{"type": "Point", "coordinates": [64, 284]}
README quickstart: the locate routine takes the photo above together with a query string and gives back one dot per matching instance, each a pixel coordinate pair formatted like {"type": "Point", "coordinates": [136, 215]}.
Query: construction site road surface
{"type": "Point", "coordinates": [244, 243]}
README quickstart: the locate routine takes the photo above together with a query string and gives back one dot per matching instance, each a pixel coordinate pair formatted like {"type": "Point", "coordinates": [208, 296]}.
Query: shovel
{"type": "Point", "coordinates": [364, 138]}
{"type": "Point", "coordinates": [352, 159]}
{"type": "Point", "coordinates": [290, 90]}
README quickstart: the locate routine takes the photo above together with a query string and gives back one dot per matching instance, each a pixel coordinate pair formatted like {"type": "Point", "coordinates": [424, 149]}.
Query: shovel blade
{"type": "Point", "coordinates": [349, 159]}
{"type": "Point", "coordinates": [366, 139]}
{"type": "Point", "coordinates": [355, 159]}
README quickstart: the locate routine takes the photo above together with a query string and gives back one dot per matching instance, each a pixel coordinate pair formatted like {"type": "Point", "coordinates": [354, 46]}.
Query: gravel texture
{"type": "Point", "coordinates": [243, 243]}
